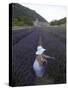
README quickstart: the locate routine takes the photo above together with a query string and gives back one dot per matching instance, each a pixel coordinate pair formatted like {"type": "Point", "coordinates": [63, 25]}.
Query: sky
{"type": "Point", "coordinates": [49, 12]}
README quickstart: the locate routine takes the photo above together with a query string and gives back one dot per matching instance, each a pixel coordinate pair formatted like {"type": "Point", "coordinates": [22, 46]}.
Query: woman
{"type": "Point", "coordinates": [38, 65]}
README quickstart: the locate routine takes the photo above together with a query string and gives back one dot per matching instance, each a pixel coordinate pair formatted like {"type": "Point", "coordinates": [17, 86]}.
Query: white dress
{"type": "Point", "coordinates": [39, 69]}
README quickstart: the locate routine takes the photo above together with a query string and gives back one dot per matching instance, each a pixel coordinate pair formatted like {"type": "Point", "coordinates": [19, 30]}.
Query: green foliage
{"type": "Point", "coordinates": [23, 21]}
{"type": "Point", "coordinates": [27, 21]}
{"type": "Point", "coordinates": [58, 22]}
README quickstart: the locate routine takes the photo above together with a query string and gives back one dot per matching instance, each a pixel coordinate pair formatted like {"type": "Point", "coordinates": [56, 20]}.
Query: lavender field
{"type": "Point", "coordinates": [24, 46]}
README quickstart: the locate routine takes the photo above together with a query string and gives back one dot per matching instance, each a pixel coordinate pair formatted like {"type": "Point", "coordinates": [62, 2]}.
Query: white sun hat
{"type": "Point", "coordinates": [40, 50]}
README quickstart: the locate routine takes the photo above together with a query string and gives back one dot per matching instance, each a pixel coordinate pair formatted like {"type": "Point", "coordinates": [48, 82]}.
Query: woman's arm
{"type": "Point", "coordinates": [47, 57]}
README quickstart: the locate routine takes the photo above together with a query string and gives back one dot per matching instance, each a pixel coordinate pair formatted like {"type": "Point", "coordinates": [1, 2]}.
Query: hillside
{"type": "Point", "coordinates": [24, 16]}
{"type": "Point", "coordinates": [58, 22]}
